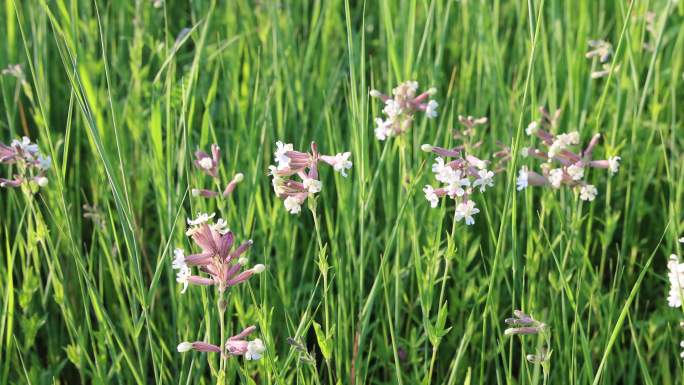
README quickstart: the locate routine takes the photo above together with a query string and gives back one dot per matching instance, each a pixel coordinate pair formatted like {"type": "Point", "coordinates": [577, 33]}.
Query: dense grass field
{"type": "Point", "coordinates": [367, 284]}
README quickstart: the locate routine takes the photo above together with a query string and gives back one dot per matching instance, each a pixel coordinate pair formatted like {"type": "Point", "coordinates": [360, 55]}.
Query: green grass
{"type": "Point", "coordinates": [379, 287]}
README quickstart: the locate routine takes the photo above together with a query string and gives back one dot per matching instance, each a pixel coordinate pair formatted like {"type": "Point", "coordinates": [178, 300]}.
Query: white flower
{"type": "Point", "coordinates": [42, 181]}
{"type": "Point", "coordinates": [556, 177]}
{"type": "Point", "coordinates": [182, 277]}
{"type": "Point", "coordinates": [588, 192]}
{"type": "Point", "coordinates": [681, 240]}
{"type": "Point", "coordinates": [443, 172]}
{"type": "Point", "coordinates": [532, 128]}
{"type": "Point", "coordinates": [312, 185]}
{"type": "Point", "coordinates": [383, 129]}
{"type": "Point", "coordinates": [614, 164]}
{"type": "Point", "coordinates": [456, 184]}
{"type": "Point", "coordinates": [486, 179]}
{"type": "Point", "coordinates": [392, 108]}
{"type": "Point", "coordinates": [206, 163]}
{"type": "Point", "coordinates": [431, 196]}
{"type": "Point", "coordinates": [562, 141]}
{"type": "Point", "coordinates": [522, 178]}
{"type": "Point", "coordinates": [201, 218]}
{"type": "Point", "coordinates": [255, 349]}
{"type": "Point", "coordinates": [342, 163]}
{"type": "Point", "coordinates": [220, 226]}
{"type": "Point", "coordinates": [676, 278]}
{"type": "Point", "coordinates": [293, 205]}
{"type": "Point", "coordinates": [466, 210]}
{"type": "Point", "coordinates": [525, 152]}
{"type": "Point", "coordinates": [25, 145]}
{"type": "Point", "coordinates": [184, 347]}
{"type": "Point", "coordinates": [431, 109]}
{"type": "Point", "coordinates": [179, 259]}
{"type": "Point", "coordinates": [258, 268]}
{"type": "Point", "coordinates": [44, 163]}
{"type": "Point", "coordinates": [576, 171]}
{"type": "Point", "coordinates": [280, 157]}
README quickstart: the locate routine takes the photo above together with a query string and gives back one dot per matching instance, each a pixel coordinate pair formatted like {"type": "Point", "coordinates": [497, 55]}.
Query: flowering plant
{"type": "Point", "coordinates": [401, 107]}
{"type": "Point", "coordinates": [570, 166]}
{"type": "Point", "coordinates": [305, 165]}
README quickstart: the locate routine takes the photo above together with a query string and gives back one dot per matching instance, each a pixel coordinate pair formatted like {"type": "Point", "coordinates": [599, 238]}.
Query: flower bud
{"type": "Point", "coordinates": [258, 268]}
{"type": "Point", "coordinates": [426, 147]}
{"type": "Point", "coordinates": [184, 347]}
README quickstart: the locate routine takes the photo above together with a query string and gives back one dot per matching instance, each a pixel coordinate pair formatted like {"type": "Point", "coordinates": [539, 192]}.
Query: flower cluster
{"type": "Point", "coordinates": [305, 165]}
{"type": "Point", "coordinates": [461, 177]}
{"type": "Point", "coordinates": [602, 50]}
{"type": "Point", "coordinates": [676, 277]}
{"type": "Point", "coordinates": [523, 324]}
{"type": "Point", "coordinates": [401, 107]}
{"type": "Point", "coordinates": [236, 345]}
{"type": "Point", "coordinates": [222, 265]}
{"type": "Point", "coordinates": [570, 167]}
{"type": "Point", "coordinates": [217, 259]}
{"type": "Point", "coordinates": [31, 164]}
{"type": "Point", "coordinates": [209, 164]}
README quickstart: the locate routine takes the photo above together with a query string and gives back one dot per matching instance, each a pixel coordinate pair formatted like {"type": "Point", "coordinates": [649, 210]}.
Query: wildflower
{"type": "Point", "coordinates": [601, 49]}
{"type": "Point", "coordinates": [215, 259]}
{"type": "Point", "coordinates": [588, 192]}
{"type": "Point", "coordinates": [280, 154]}
{"type": "Point", "coordinates": [521, 182]}
{"type": "Point", "coordinates": [460, 177]}
{"type": "Point", "coordinates": [183, 277]}
{"type": "Point", "coordinates": [340, 162]}
{"type": "Point", "coordinates": [431, 109]}
{"type": "Point", "coordinates": [195, 223]}
{"type": "Point", "coordinates": [305, 166]}
{"type": "Point", "coordinates": [522, 324]}
{"type": "Point", "coordinates": [431, 196]}
{"type": "Point", "coordinates": [556, 177]}
{"type": "Point", "coordinates": [576, 171]}
{"type": "Point", "coordinates": [614, 164]}
{"type": "Point", "coordinates": [401, 108]}
{"type": "Point", "coordinates": [31, 165]}
{"type": "Point", "coordinates": [209, 163]}
{"type": "Point", "coordinates": [237, 345]}
{"type": "Point", "coordinates": [485, 179]}
{"type": "Point", "coordinates": [255, 349]}
{"type": "Point", "coordinates": [293, 205]}
{"type": "Point", "coordinates": [466, 210]}
{"type": "Point", "coordinates": [562, 165]}
{"type": "Point", "coordinates": [676, 277]}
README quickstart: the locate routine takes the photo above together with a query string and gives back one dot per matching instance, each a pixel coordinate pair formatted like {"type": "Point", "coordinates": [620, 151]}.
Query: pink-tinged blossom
{"type": "Point", "coordinates": [210, 164]}
{"type": "Point", "coordinates": [30, 165]}
{"type": "Point", "coordinates": [400, 109]}
{"type": "Point", "coordinates": [217, 259]}
{"type": "Point", "coordinates": [305, 166]}
{"type": "Point", "coordinates": [563, 164]}
{"type": "Point", "coordinates": [461, 177]}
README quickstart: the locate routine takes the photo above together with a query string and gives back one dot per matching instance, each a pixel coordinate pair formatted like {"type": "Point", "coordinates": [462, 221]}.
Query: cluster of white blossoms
{"type": "Point", "coordinates": [31, 165]}
{"type": "Point", "coordinates": [401, 107]}
{"type": "Point", "coordinates": [461, 177]}
{"type": "Point", "coordinates": [562, 166]}
{"type": "Point", "coordinates": [675, 275]}
{"type": "Point", "coordinates": [602, 50]}
{"type": "Point", "coordinates": [305, 165]}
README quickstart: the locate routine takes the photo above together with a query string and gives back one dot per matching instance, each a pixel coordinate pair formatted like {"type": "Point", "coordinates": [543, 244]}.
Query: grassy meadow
{"type": "Point", "coordinates": [367, 284]}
